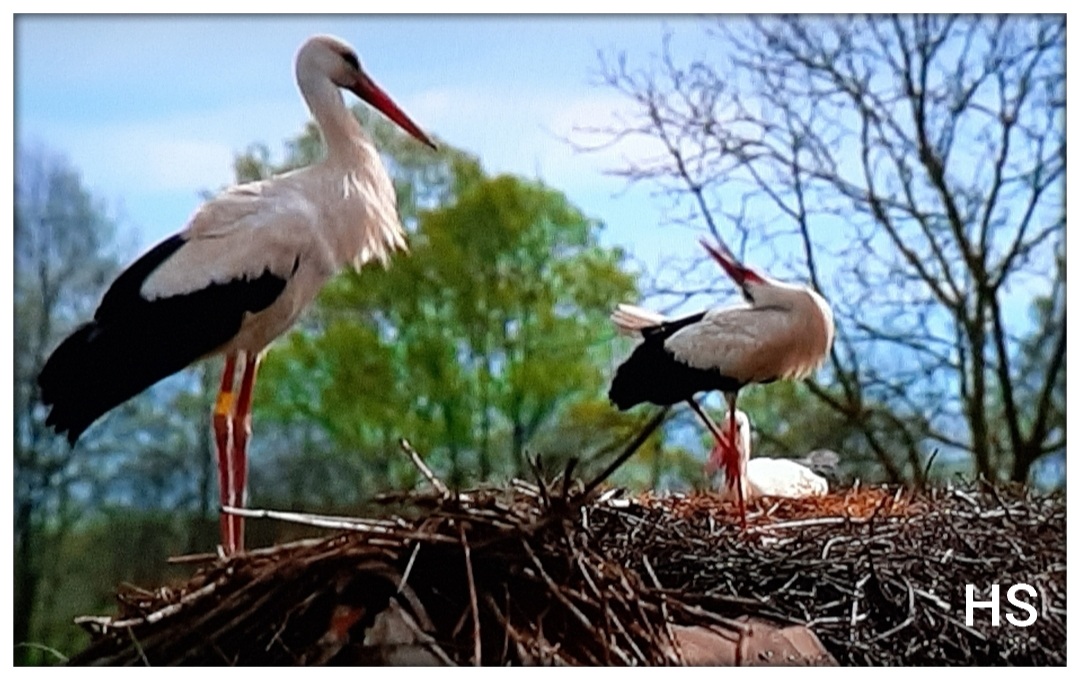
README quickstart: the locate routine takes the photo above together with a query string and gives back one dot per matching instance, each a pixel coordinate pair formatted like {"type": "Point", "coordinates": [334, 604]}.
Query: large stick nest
{"type": "Point", "coordinates": [550, 574]}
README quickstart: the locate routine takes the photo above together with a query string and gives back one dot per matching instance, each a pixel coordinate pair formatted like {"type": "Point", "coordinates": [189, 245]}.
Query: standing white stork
{"type": "Point", "coordinates": [777, 477]}
{"type": "Point", "coordinates": [784, 331]}
{"type": "Point", "coordinates": [238, 275]}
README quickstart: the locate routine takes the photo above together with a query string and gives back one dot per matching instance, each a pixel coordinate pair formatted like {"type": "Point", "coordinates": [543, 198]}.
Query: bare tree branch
{"type": "Point", "coordinates": [917, 163]}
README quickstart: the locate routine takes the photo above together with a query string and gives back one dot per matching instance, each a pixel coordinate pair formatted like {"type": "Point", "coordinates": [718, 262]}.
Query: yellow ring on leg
{"type": "Point", "coordinates": [224, 404]}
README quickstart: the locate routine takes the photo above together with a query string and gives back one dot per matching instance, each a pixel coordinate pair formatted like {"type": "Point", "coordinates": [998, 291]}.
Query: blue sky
{"type": "Point", "coordinates": [153, 109]}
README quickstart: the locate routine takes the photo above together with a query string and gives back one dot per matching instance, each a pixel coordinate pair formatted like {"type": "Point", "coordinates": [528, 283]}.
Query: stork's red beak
{"type": "Point", "coordinates": [735, 269]}
{"type": "Point", "coordinates": [366, 89]}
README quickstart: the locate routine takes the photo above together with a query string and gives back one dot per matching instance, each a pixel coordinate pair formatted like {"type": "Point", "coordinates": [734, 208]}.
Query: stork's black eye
{"type": "Point", "coordinates": [351, 60]}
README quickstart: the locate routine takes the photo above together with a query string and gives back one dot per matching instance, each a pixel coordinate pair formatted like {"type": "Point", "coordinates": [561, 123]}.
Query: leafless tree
{"type": "Point", "coordinates": [912, 168]}
{"type": "Point", "coordinates": [61, 267]}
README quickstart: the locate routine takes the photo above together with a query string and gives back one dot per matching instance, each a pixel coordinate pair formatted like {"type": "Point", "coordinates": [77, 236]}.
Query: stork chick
{"type": "Point", "coordinates": [777, 477]}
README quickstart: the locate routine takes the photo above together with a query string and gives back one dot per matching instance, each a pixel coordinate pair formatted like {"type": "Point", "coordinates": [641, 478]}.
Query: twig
{"type": "Point", "coordinates": [554, 588]}
{"type": "Point", "coordinates": [429, 643]}
{"type": "Point", "coordinates": [675, 646]}
{"type": "Point", "coordinates": [929, 463]}
{"type": "Point", "coordinates": [818, 521]}
{"type": "Point", "coordinates": [138, 647]}
{"type": "Point", "coordinates": [568, 477]}
{"type": "Point", "coordinates": [629, 451]}
{"type": "Point", "coordinates": [423, 468]}
{"type": "Point", "coordinates": [43, 648]}
{"type": "Point", "coordinates": [472, 596]}
{"type": "Point", "coordinates": [153, 617]}
{"type": "Point", "coordinates": [904, 624]}
{"type": "Point", "coordinates": [536, 464]}
{"type": "Point", "coordinates": [408, 568]}
{"type": "Point", "coordinates": [322, 521]}
{"type": "Point", "coordinates": [195, 558]}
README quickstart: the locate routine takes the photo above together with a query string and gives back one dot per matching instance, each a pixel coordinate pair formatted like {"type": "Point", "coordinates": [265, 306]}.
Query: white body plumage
{"type": "Point", "coordinates": [304, 226]}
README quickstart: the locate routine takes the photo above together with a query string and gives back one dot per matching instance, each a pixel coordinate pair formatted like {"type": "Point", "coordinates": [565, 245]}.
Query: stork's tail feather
{"type": "Point", "coordinates": [631, 320]}
{"type": "Point", "coordinates": [97, 368]}
{"type": "Point", "coordinates": [635, 379]}
{"type": "Point", "coordinates": [65, 368]}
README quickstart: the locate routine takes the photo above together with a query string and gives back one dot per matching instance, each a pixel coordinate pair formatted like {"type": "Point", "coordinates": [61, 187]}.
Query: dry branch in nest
{"type": "Point", "coordinates": [545, 573]}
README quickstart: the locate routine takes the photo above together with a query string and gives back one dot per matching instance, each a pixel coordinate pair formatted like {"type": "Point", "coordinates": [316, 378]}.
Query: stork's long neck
{"type": "Point", "coordinates": [341, 131]}
{"type": "Point", "coordinates": [368, 227]}
{"type": "Point", "coordinates": [807, 332]}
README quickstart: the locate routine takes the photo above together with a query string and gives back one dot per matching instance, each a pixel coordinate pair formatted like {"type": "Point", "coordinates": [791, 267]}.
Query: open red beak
{"type": "Point", "coordinates": [735, 269]}
{"type": "Point", "coordinates": [366, 89]}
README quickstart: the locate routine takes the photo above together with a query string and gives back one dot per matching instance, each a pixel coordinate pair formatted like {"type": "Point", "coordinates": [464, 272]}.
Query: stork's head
{"type": "Point", "coordinates": [760, 289]}
{"type": "Point", "coordinates": [336, 60]}
{"type": "Point", "coordinates": [747, 279]}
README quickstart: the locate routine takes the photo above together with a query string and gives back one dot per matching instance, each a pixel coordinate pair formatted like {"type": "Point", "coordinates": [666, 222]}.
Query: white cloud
{"type": "Point", "coordinates": [527, 131]}
{"type": "Point", "coordinates": [523, 132]}
{"type": "Point", "coordinates": [189, 152]}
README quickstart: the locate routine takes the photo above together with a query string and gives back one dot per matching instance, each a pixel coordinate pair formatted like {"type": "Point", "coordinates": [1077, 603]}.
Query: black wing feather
{"type": "Point", "coordinates": [653, 374]}
{"type": "Point", "coordinates": [133, 342]}
{"type": "Point", "coordinates": [668, 328]}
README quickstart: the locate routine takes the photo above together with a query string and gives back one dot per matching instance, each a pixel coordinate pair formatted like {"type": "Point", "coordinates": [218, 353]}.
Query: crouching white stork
{"type": "Point", "coordinates": [784, 331]}
{"type": "Point", "coordinates": [238, 275]}
{"type": "Point", "coordinates": [777, 477]}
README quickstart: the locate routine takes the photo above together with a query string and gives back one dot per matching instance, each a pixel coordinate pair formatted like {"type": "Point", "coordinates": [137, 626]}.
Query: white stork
{"type": "Point", "coordinates": [784, 331]}
{"type": "Point", "coordinates": [777, 477]}
{"type": "Point", "coordinates": [238, 275]}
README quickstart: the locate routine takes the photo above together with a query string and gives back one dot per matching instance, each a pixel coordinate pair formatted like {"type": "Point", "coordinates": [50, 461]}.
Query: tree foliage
{"type": "Point", "coordinates": [471, 345]}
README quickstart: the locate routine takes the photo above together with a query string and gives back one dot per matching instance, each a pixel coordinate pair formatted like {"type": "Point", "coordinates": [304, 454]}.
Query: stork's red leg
{"type": "Point", "coordinates": [240, 435]}
{"type": "Point", "coordinates": [720, 447]}
{"type": "Point", "coordinates": [729, 455]}
{"type": "Point", "coordinates": [223, 425]}
{"type": "Point", "coordinates": [735, 462]}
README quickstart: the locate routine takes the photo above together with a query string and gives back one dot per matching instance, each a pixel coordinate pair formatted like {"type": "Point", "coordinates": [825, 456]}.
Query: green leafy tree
{"type": "Point", "coordinates": [470, 345]}
{"type": "Point", "coordinates": [532, 295]}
